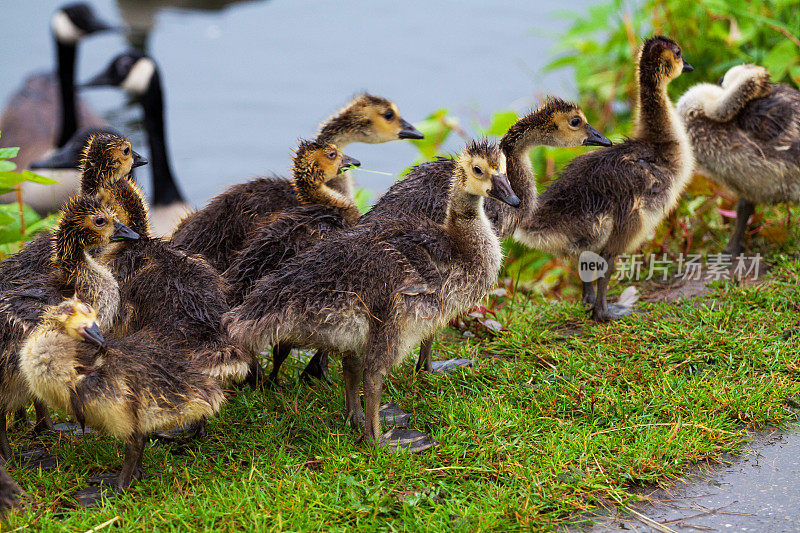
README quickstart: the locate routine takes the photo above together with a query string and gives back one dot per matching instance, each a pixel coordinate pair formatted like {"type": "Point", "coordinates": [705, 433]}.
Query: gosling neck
{"type": "Point", "coordinates": [655, 113]}
{"type": "Point", "coordinates": [66, 55]}
{"type": "Point", "coordinates": [128, 199]}
{"type": "Point", "coordinates": [325, 195]}
{"type": "Point", "coordinates": [94, 177]}
{"type": "Point", "coordinates": [69, 257]}
{"type": "Point", "coordinates": [165, 190]}
{"type": "Point", "coordinates": [465, 209]}
{"type": "Point", "coordinates": [516, 144]}
{"type": "Point", "coordinates": [344, 183]}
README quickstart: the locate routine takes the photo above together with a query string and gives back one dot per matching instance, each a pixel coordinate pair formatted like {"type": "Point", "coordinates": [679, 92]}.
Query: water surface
{"type": "Point", "coordinates": [245, 80]}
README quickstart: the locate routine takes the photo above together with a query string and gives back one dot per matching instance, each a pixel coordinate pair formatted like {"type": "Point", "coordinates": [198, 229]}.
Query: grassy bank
{"type": "Point", "coordinates": [558, 414]}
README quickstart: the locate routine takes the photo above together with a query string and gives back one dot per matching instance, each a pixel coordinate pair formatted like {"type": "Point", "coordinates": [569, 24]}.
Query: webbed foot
{"type": "Point", "coordinates": [69, 428]}
{"type": "Point", "coordinates": [441, 367]}
{"type": "Point", "coordinates": [190, 430]}
{"type": "Point", "coordinates": [36, 459]}
{"type": "Point", "coordinates": [391, 414]}
{"type": "Point", "coordinates": [409, 440]}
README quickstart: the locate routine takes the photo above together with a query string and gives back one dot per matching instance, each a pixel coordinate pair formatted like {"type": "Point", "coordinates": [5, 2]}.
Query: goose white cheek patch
{"type": "Point", "coordinates": [66, 31]}
{"type": "Point", "coordinates": [138, 79]}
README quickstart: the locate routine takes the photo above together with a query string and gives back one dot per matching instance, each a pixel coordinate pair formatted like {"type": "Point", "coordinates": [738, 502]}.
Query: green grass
{"type": "Point", "coordinates": [560, 414]}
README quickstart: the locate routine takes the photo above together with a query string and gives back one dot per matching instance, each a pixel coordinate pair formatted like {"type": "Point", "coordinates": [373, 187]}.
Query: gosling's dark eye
{"type": "Point", "coordinates": [100, 221]}
{"type": "Point", "coordinates": [719, 81]}
{"type": "Point", "coordinates": [677, 53]}
{"type": "Point", "coordinates": [331, 155]}
{"type": "Point", "coordinates": [575, 122]}
{"type": "Point", "coordinates": [389, 115]}
{"type": "Point", "coordinates": [477, 170]}
{"type": "Point", "coordinates": [126, 151]}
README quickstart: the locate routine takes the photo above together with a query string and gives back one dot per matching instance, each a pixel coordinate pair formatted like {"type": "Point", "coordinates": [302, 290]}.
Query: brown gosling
{"type": "Point", "coordinates": [608, 201]}
{"type": "Point", "coordinates": [424, 191]}
{"type": "Point", "coordinates": [85, 223]}
{"type": "Point", "coordinates": [164, 289]}
{"type": "Point", "coordinates": [745, 134]}
{"type": "Point", "coordinates": [330, 297]}
{"type": "Point", "coordinates": [128, 387]}
{"type": "Point", "coordinates": [280, 237]}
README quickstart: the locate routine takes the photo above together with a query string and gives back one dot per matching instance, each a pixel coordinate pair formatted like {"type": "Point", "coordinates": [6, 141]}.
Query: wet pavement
{"type": "Point", "coordinates": [758, 490]}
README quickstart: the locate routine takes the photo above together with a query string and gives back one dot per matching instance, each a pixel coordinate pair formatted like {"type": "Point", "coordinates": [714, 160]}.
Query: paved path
{"type": "Point", "coordinates": [757, 491]}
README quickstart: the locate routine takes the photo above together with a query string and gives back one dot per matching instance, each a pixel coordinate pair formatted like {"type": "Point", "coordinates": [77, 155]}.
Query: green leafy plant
{"type": "Point", "coordinates": [18, 222]}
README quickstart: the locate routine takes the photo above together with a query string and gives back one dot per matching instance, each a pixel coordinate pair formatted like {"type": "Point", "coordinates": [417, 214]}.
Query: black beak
{"type": "Point", "coordinates": [123, 233]}
{"type": "Point", "coordinates": [138, 160]}
{"type": "Point", "coordinates": [97, 25]}
{"type": "Point", "coordinates": [595, 138]}
{"type": "Point", "coordinates": [348, 161]}
{"type": "Point", "coordinates": [63, 158]}
{"type": "Point", "coordinates": [408, 131]}
{"type": "Point", "coordinates": [93, 335]}
{"type": "Point", "coordinates": [102, 79]}
{"type": "Point", "coordinates": [687, 67]}
{"type": "Point", "coordinates": [501, 189]}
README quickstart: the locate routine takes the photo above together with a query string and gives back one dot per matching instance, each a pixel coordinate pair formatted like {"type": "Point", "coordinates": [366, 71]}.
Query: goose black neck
{"type": "Point", "coordinates": [66, 80]}
{"type": "Point", "coordinates": [165, 190]}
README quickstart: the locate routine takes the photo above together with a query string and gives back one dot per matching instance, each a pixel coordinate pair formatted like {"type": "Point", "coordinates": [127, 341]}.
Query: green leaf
{"type": "Point", "coordinates": [5, 219]}
{"type": "Point", "coordinates": [36, 178]}
{"type": "Point", "coordinates": [8, 153]}
{"type": "Point", "coordinates": [7, 166]}
{"type": "Point", "coordinates": [794, 72]}
{"type": "Point", "coordinates": [780, 58]}
{"type": "Point", "coordinates": [9, 179]}
{"type": "Point", "coordinates": [501, 121]}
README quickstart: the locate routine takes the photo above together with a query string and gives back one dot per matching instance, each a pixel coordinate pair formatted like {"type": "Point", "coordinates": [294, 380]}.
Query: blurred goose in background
{"type": "Point", "coordinates": [138, 75]}
{"type": "Point", "coordinates": [45, 113]}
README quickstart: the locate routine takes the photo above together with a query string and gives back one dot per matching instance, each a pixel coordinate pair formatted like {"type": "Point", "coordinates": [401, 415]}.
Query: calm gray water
{"type": "Point", "coordinates": [244, 80]}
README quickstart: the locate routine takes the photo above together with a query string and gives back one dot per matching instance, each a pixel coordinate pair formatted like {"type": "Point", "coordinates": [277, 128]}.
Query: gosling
{"type": "Point", "coordinates": [330, 297]}
{"type": "Point", "coordinates": [746, 136]}
{"type": "Point", "coordinates": [129, 387]}
{"type": "Point", "coordinates": [608, 201]}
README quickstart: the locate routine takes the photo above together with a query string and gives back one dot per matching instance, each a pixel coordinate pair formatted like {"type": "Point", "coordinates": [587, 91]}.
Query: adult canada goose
{"type": "Point", "coordinates": [608, 201]}
{"type": "Point", "coordinates": [138, 75]}
{"type": "Point", "coordinates": [424, 190]}
{"type": "Point", "coordinates": [129, 387]}
{"type": "Point", "coordinates": [220, 229]}
{"type": "Point", "coordinates": [746, 135]}
{"type": "Point", "coordinates": [85, 223]}
{"type": "Point", "coordinates": [329, 296]}
{"type": "Point", "coordinates": [45, 113]}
